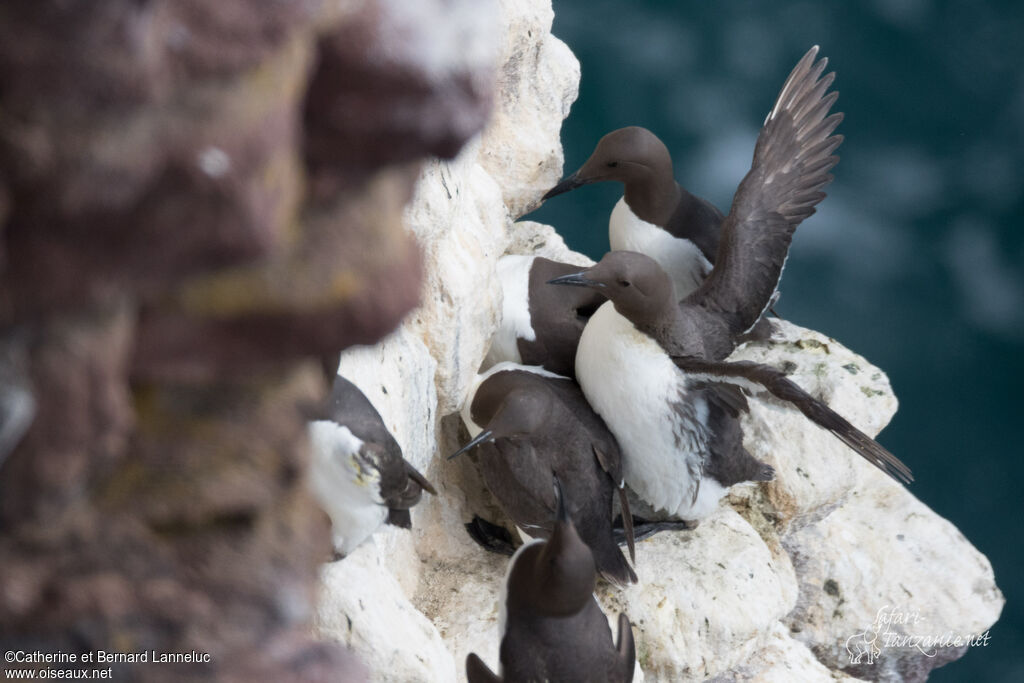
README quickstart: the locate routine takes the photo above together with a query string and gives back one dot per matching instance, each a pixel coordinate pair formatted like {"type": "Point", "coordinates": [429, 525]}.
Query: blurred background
{"type": "Point", "coordinates": [915, 260]}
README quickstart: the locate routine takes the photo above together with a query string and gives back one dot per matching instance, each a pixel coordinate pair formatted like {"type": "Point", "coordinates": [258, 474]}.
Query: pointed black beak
{"type": "Point", "coordinates": [415, 475]}
{"type": "Point", "coordinates": [576, 280]}
{"type": "Point", "coordinates": [486, 435]}
{"type": "Point", "coordinates": [568, 183]}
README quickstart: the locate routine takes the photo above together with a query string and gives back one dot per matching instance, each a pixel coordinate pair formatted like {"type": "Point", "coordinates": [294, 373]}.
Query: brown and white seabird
{"type": "Point", "coordinates": [530, 425]}
{"type": "Point", "coordinates": [655, 216]}
{"type": "Point", "coordinates": [358, 473]}
{"type": "Point", "coordinates": [656, 371]}
{"type": "Point", "coordinates": [539, 326]}
{"type": "Point", "coordinates": [552, 628]}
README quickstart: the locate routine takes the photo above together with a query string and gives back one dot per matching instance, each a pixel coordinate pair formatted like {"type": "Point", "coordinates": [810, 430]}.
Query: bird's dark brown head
{"type": "Point", "coordinates": [638, 287]}
{"type": "Point", "coordinates": [627, 155]}
{"type": "Point", "coordinates": [518, 413]}
{"type": "Point", "coordinates": [508, 413]}
{"type": "Point", "coordinates": [557, 577]}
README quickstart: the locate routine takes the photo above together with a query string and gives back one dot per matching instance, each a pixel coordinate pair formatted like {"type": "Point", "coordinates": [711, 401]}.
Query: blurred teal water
{"type": "Point", "coordinates": [915, 260]}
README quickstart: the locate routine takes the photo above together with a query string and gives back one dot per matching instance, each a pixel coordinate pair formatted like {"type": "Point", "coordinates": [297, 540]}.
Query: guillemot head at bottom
{"type": "Point", "coordinates": [553, 627]}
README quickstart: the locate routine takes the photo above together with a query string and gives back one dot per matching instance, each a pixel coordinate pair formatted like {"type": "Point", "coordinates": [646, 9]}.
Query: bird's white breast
{"type": "Point", "coordinates": [514, 275]}
{"type": "Point", "coordinates": [347, 490]}
{"type": "Point", "coordinates": [631, 383]}
{"type": "Point", "coordinates": [680, 258]}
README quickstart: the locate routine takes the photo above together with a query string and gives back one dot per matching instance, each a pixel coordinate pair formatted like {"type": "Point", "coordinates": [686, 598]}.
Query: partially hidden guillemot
{"type": "Point", "coordinates": [656, 216]}
{"type": "Point", "coordinates": [655, 369]}
{"type": "Point", "coordinates": [552, 628]}
{"type": "Point", "coordinates": [358, 473]}
{"type": "Point", "coordinates": [530, 425]}
{"type": "Point", "coordinates": [539, 327]}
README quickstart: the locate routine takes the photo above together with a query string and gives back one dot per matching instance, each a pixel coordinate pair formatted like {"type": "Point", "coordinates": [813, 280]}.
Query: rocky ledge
{"type": "Point", "coordinates": [832, 571]}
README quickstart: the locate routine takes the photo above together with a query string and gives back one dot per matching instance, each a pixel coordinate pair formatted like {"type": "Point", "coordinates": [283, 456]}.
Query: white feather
{"type": "Point", "coordinates": [680, 258]}
{"type": "Point", "coordinates": [347, 490]}
{"type": "Point", "coordinates": [514, 275]}
{"type": "Point", "coordinates": [707, 499]}
{"type": "Point", "coordinates": [630, 382]}
{"type": "Point", "coordinates": [773, 298]}
{"type": "Point", "coordinates": [525, 537]}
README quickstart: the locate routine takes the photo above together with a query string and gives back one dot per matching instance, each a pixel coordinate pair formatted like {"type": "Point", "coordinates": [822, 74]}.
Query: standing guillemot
{"type": "Point", "coordinates": [539, 327]}
{"type": "Point", "coordinates": [552, 628]}
{"type": "Point", "coordinates": [655, 369]}
{"type": "Point", "coordinates": [357, 472]}
{"type": "Point", "coordinates": [531, 425]}
{"type": "Point", "coordinates": [655, 215]}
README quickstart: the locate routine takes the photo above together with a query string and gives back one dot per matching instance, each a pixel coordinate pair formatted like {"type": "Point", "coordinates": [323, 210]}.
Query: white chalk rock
{"type": "Point", "coordinates": [397, 376]}
{"type": "Point", "coordinates": [538, 82]}
{"type": "Point", "coordinates": [814, 471]}
{"type": "Point", "coordinates": [781, 660]}
{"type": "Point", "coordinates": [536, 239]}
{"type": "Point", "coordinates": [706, 599]}
{"type": "Point", "coordinates": [885, 574]}
{"type": "Point", "coordinates": [458, 216]}
{"type": "Point", "coordinates": [461, 599]}
{"type": "Point", "coordinates": [462, 210]}
{"type": "Point", "coordinates": [362, 605]}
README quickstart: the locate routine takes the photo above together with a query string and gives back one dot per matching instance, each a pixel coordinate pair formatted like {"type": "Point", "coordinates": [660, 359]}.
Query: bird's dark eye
{"type": "Point", "coordinates": [624, 283]}
{"type": "Point", "coordinates": [612, 164]}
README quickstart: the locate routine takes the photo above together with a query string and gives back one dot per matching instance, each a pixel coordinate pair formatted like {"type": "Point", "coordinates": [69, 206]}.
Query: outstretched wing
{"type": "Point", "coordinates": [789, 172]}
{"type": "Point", "coordinates": [775, 381]}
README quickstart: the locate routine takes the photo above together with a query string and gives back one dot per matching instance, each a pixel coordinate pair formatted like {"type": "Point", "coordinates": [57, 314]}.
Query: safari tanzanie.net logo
{"type": "Point", "coordinates": [905, 629]}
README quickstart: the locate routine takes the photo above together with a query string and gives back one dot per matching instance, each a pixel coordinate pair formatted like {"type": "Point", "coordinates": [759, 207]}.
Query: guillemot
{"type": "Point", "coordinates": [530, 425]}
{"type": "Point", "coordinates": [655, 369]}
{"type": "Point", "coordinates": [539, 327]}
{"type": "Point", "coordinates": [358, 473]}
{"type": "Point", "coordinates": [656, 216]}
{"type": "Point", "coordinates": [552, 628]}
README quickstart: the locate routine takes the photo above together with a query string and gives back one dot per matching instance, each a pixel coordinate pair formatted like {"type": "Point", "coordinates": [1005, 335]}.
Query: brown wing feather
{"type": "Point", "coordinates": [626, 648]}
{"type": "Point", "coordinates": [776, 382]}
{"type": "Point", "coordinates": [790, 169]}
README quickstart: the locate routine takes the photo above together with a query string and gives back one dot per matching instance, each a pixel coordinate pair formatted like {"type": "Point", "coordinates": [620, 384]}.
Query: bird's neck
{"type": "Point", "coordinates": [656, 320]}
{"type": "Point", "coordinates": [653, 196]}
